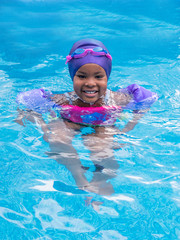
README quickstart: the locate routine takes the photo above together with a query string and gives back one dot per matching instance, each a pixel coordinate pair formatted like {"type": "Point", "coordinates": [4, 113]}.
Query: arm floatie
{"type": "Point", "coordinates": [141, 97]}
{"type": "Point", "coordinates": [37, 100]}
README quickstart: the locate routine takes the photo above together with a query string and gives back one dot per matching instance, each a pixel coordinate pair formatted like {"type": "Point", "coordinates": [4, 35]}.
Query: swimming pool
{"type": "Point", "coordinates": [39, 197]}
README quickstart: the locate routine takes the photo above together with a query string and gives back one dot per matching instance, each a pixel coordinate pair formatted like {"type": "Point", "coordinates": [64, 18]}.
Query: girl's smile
{"type": "Point", "coordinates": [90, 83]}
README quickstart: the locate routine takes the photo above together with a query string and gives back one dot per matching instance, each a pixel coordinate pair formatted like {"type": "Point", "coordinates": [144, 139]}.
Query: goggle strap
{"type": "Point", "coordinates": [69, 57]}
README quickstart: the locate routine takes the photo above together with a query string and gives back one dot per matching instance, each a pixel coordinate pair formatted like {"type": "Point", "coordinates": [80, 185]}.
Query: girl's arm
{"type": "Point", "coordinates": [137, 99]}
{"type": "Point", "coordinates": [134, 121]}
{"type": "Point", "coordinates": [31, 116]}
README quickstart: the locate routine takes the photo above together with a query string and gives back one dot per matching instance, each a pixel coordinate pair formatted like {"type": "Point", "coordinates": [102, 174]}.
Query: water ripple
{"type": "Point", "coordinates": [27, 152]}
{"type": "Point", "coordinates": [14, 217]}
{"type": "Point", "coordinates": [49, 214]}
{"type": "Point", "coordinates": [112, 234]}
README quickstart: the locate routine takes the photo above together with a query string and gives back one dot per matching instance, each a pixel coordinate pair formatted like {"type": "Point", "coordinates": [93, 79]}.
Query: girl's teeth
{"type": "Point", "coordinates": [90, 91]}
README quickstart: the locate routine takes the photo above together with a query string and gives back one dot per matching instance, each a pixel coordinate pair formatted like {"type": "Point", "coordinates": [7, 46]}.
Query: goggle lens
{"type": "Point", "coordinates": [78, 51]}
{"type": "Point", "coordinates": [99, 49]}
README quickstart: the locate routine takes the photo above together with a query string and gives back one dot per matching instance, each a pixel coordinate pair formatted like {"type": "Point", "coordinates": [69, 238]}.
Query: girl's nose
{"type": "Point", "coordinates": [90, 82]}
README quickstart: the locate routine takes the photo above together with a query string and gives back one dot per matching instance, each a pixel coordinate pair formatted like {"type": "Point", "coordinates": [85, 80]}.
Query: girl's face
{"type": "Point", "coordinates": [90, 82]}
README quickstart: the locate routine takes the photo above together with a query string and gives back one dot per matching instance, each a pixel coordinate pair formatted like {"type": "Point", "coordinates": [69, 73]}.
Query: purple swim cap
{"type": "Point", "coordinates": [102, 61]}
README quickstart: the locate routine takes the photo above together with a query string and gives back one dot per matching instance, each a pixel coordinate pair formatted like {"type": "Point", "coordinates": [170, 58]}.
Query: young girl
{"type": "Point", "coordinates": [91, 103]}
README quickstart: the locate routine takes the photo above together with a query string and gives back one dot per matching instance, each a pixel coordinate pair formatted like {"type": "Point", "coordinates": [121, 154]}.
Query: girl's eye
{"type": "Point", "coordinates": [81, 76]}
{"type": "Point", "coordinates": [99, 76]}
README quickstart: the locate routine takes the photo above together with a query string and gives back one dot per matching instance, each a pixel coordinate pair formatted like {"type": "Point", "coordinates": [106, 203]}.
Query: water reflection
{"type": "Point", "coordinates": [112, 234]}
{"type": "Point", "coordinates": [52, 216]}
{"type": "Point", "coordinates": [20, 219]}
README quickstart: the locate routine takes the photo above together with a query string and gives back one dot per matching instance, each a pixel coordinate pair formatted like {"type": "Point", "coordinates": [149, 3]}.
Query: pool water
{"type": "Point", "coordinates": [39, 198]}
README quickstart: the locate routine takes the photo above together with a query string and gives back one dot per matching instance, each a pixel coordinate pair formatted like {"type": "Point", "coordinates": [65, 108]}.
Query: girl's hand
{"type": "Point", "coordinates": [132, 123]}
{"type": "Point", "coordinates": [28, 115]}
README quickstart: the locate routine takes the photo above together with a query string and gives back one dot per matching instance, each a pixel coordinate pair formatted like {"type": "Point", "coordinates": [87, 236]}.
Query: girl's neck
{"type": "Point", "coordinates": [81, 103]}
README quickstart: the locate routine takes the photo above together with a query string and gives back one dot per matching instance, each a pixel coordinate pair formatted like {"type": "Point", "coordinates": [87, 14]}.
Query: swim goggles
{"type": "Point", "coordinates": [81, 52]}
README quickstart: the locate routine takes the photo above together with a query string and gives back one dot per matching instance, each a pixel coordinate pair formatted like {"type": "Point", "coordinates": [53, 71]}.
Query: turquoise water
{"type": "Point", "coordinates": [38, 197]}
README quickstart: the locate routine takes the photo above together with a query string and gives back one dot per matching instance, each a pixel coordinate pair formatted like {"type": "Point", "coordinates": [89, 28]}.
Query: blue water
{"type": "Point", "coordinates": [38, 197]}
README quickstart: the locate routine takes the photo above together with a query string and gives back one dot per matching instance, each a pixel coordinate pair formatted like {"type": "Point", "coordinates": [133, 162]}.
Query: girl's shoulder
{"type": "Point", "coordinates": [64, 98]}
{"type": "Point", "coordinates": [119, 98]}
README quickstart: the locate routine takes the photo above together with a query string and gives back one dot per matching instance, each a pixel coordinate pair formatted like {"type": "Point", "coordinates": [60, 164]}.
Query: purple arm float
{"type": "Point", "coordinates": [141, 97]}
